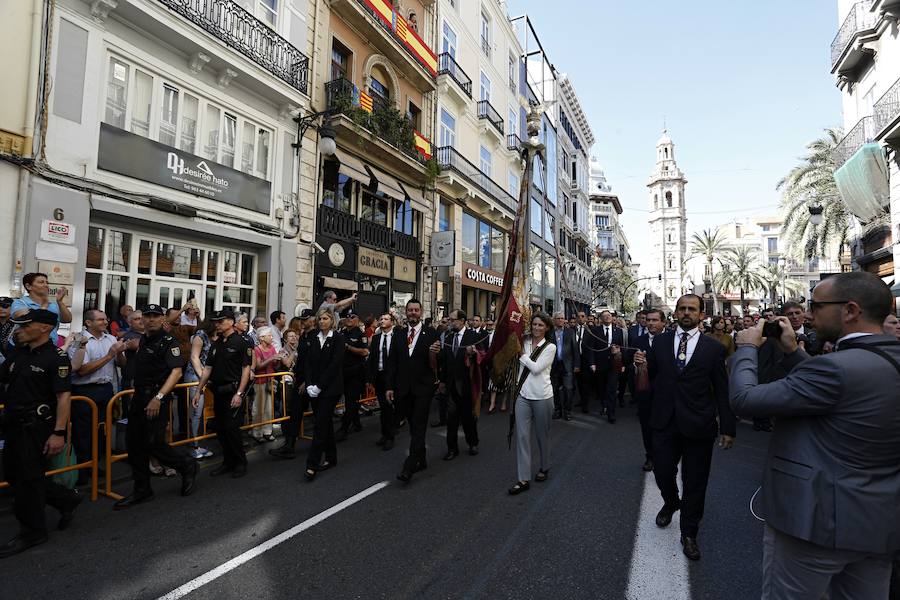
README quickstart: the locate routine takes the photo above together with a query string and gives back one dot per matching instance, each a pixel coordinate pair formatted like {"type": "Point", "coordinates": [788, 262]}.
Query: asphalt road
{"type": "Point", "coordinates": [453, 532]}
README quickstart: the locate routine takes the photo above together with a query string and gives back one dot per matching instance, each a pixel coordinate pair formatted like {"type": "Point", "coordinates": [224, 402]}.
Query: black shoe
{"type": "Point", "coordinates": [387, 445]}
{"type": "Point", "coordinates": [690, 548]}
{"type": "Point", "coordinates": [341, 435]}
{"type": "Point", "coordinates": [664, 517]}
{"type": "Point", "coordinates": [542, 475]}
{"type": "Point", "coordinates": [568, 416]}
{"type": "Point", "coordinates": [405, 474]}
{"type": "Point", "coordinates": [220, 470]}
{"type": "Point", "coordinates": [439, 424]}
{"type": "Point", "coordinates": [451, 454]}
{"type": "Point", "coordinates": [66, 516]}
{"type": "Point", "coordinates": [286, 450]}
{"type": "Point", "coordinates": [133, 500]}
{"type": "Point", "coordinates": [381, 441]}
{"type": "Point", "coordinates": [648, 465]}
{"type": "Point", "coordinates": [239, 471]}
{"type": "Point", "coordinates": [473, 451]}
{"type": "Point", "coordinates": [310, 474]}
{"type": "Point", "coordinates": [556, 415]}
{"type": "Point", "coordinates": [189, 478]}
{"type": "Point", "coordinates": [611, 419]}
{"type": "Point", "coordinates": [519, 487]}
{"type": "Point", "coordinates": [22, 542]}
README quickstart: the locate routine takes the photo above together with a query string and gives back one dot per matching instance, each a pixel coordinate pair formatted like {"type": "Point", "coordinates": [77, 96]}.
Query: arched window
{"type": "Point", "coordinates": [667, 152]}
{"type": "Point", "coordinates": [669, 199]}
{"type": "Point", "coordinates": [671, 264]}
{"type": "Point", "coordinates": [655, 201]}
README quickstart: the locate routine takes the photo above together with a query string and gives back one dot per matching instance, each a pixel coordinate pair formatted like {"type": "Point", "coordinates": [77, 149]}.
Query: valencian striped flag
{"type": "Point", "coordinates": [402, 29]}
{"type": "Point", "coordinates": [365, 101]}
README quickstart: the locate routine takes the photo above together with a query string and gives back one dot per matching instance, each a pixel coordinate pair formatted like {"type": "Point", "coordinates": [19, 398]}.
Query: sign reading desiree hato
{"type": "Point", "coordinates": [135, 156]}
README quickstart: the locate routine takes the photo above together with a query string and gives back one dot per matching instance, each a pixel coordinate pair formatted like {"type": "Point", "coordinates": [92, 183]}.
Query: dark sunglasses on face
{"type": "Point", "coordinates": [814, 304]}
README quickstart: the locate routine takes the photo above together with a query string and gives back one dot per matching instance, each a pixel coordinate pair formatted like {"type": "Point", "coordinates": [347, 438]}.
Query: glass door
{"type": "Point", "coordinates": [173, 294]}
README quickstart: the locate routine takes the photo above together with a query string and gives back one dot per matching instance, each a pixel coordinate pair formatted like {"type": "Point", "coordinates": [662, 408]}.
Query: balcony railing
{"type": "Point", "coordinates": [405, 245]}
{"type": "Point", "coordinates": [337, 223]}
{"type": "Point", "coordinates": [397, 26]}
{"type": "Point", "coordinates": [342, 225]}
{"type": "Point", "coordinates": [246, 34]}
{"type": "Point", "coordinates": [862, 133]}
{"type": "Point", "coordinates": [374, 234]}
{"type": "Point", "coordinates": [859, 19]}
{"type": "Point", "coordinates": [487, 111]}
{"type": "Point", "coordinates": [887, 109]}
{"type": "Point", "coordinates": [447, 65]}
{"type": "Point", "coordinates": [449, 158]}
{"type": "Point", "coordinates": [513, 142]}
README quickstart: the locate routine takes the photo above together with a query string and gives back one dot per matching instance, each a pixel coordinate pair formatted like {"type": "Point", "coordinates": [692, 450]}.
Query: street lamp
{"type": "Point", "coordinates": [815, 214]}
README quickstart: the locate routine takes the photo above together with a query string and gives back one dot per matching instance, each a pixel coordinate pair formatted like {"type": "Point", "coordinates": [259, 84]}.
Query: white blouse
{"type": "Point", "coordinates": [537, 386]}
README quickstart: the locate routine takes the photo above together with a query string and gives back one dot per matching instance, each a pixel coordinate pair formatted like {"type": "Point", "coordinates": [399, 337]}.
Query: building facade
{"type": "Point", "coordinates": [865, 60]}
{"type": "Point", "coordinates": [608, 239]}
{"type": "Point", "coordinates": [167, 170]}
{"type": "Point", "coordinates": [667, 224]}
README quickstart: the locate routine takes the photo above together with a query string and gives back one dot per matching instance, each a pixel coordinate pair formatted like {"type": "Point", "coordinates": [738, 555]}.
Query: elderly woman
{"type": "Point", "coordinates": [324, 386]}
{"type": "Point", "coordinates": [265, 358]}
{"type": "Point", "coordinates": [534, 402]}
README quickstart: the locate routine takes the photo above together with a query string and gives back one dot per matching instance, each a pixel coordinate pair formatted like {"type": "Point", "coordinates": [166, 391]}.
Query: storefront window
{"type": "Point", "coordinates": [444, 216]}
{"type": "Point", "coordinates": [484, 245]}
{"type": "Point", "coordinates": [145, 256]}
{"type": "Point", "coordinates": [498, 252]}
{"type": "Point", "coordinates": [550, 269]}
{"type": "Point", "coordinates": [536, 212]}
{"type": "Point", "coordinates": [535, 258]}
{"type": "Point", "coordinates": [116, 295]}
{"type": "Point", "coordinates": [374, 209]}
{"type": "Point", "coordinates": [212, 264]}
{"type": "Point", "coordinates": [94, 258]}
{"type": "Point", "coordinates": [91, 291]}
{"type": "Point", "coordinates": [176, 261]}
{"type": "Point", "coordinates": [142, 295]}
{"type": "Point", "coordinates": [469, 238]}
{"type": "Point", "coordinates": [246, 269]}
{"type": "Point", "coordinates": [231, 267]}
{"type": "Point", "coordinates": [236, 295]}
{"type": "Point", "coordinates": [119, 247]}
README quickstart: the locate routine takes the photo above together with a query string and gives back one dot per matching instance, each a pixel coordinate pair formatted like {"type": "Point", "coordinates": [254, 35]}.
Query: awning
{"type": "Point", "coordinates": [387, 185]}
{"type": "Point", "coordinates": [415, 198]}
{"type": "Point", "coordinates": [863, 182]}
{"type": "Point", "coordinates": [352, 167]}
{"type": "Point", "coordinates": [336, 283]}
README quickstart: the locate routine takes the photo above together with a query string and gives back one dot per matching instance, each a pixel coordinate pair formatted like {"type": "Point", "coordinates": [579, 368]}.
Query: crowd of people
{"type": "Point", "coordinates": [675, 368]}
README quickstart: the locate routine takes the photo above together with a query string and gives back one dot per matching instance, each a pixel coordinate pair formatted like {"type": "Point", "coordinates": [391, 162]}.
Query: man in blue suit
{"type": "Point", "coordinates": [690, 407]}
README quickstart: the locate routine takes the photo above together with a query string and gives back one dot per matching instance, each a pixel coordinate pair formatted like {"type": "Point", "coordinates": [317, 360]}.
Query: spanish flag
{"type": "Point", "coordinates": [422, 145]}
{"type": "Point", "coordinates": [365, 101]}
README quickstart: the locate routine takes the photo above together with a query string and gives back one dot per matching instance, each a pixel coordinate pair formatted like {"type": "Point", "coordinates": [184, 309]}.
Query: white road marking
{"type": "Point", "coordinates": [658, 567]}
{"type": "Point", "coordinates": [252, 553]}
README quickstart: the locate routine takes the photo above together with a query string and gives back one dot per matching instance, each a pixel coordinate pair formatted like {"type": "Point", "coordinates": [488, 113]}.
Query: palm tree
{"type": "Point", "coordinates": [709, 245]}
{"type": "Point", "coordinates": [740, 270]}
{"type": "Point", "coordinates": [812, 182]}
{"type": "Point", "coordinates": [773, 276]}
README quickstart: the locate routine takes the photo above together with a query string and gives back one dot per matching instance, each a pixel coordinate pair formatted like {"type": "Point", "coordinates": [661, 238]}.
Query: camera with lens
{"type": "Point", "coordinates": [772, 329]}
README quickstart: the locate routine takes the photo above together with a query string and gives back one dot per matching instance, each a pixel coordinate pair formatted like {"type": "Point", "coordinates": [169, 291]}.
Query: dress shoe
{"type": "Point", "coordinates": [518, 488]}
{"type": "Point", "coordinates": [405, 474]}
{"type": "Point", "coordinates": [690, 548]}
{"type": "Point", "coordinates": [388, 444]}
{"type": "Point", "coordinates": [189, 478]}
{"type": "Point", "coordinates": [381, 441]}
{"type": "Point", "coordinates": [66, 516]}
{"type": "Point", "coordinates": [473, 451]}
{"type": "Point", "coordinates": [611, 419]}
{"type": "Point", "coordinates": [133, 500]}
{"type": "Point", "coordinates": [664, 517]}
{"type": "Point", "coordinates": [22, 542]}
{"type": "Point", "coordinates": [648, 465]}
{"type": "Point", "coordinates": [239, 471]}
{"type": "Point", "coordinates": [220, 470]}
{"type": "Point", "coordinates": [341, 435]}
{"type": "Point", "coordinates": [451, 454]}
{"type": "Point", "coordinates": [568, 416]}
{"type": "Point", "coordinates": [286, 450]}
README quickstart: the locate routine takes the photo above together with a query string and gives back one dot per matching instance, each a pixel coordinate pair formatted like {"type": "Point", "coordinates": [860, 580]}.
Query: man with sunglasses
{"type": "Point", "coordinates": [832, 476]}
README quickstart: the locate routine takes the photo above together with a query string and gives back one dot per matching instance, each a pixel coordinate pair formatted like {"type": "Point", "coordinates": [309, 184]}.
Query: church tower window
{"type": "Point", "coordinates": [669, 199]}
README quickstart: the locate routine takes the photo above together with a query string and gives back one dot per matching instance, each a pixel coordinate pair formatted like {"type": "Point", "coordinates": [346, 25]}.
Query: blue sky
{"type": "Point", "coordinates": [742, 86]}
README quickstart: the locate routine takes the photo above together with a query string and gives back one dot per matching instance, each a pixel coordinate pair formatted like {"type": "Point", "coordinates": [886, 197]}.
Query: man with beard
{"type": "Point", "coordinates": [414, 384]}
{"type": "Point", "coordinates": [690, 390]}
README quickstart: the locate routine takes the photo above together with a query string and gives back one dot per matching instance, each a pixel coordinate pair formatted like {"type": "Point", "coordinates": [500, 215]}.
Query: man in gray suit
{"type": "Point", "coordinates": [832, 477]}
{"type": "Point", "coordinates": [562, 374]}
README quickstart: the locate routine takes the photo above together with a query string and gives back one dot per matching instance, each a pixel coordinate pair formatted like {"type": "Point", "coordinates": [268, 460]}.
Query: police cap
{"type": "Point", "coordinates": [37, 315]}
{"type": "Point", "coordinates": [307, 313]}
{"type": "Point", "coordinates": [221, 315]}
{"type": "Point", "coordinates": [349, 314]}
{"type": "Point", "coordinates": [6, 301]}
{"type": "Point", "coordinates": [153, 309]}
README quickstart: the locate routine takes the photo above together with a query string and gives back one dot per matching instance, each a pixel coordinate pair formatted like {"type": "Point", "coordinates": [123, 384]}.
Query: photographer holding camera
{"type": "Point", "coordinates": [832, 475]}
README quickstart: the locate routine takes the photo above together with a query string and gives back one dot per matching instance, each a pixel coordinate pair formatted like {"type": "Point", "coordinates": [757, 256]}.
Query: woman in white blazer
{"type": "Point", "coordinates": [534, 404]}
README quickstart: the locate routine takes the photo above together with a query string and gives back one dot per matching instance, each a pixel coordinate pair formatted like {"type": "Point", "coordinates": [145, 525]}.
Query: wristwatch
{"type": "Point", "coordinates": [60, 432]}
{"type": "Point", "coordinates": [158, 397]}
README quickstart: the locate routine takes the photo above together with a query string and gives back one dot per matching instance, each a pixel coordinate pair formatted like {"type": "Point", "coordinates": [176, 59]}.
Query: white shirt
{"type": "Point", "coordinates": [537, 385]}
{"type": "Point", "coordinates": [579, 335]}
{"type": "Point", "coordinates": [608, 332]}
{"type": "Point", "coordinates": [415, 336]}
{"type": "Point", "coordinates": [385, 344]}
{"type": "Point", "coordinates": [800, 330]}
{"type": "Point", "coordinates": [459, 338]}
{"type": "Point", "coordinates": [94, 349]}
{"type": "Point", "coordinates": [693, 338]}
{"type": "Point", "coordinates": [850, 336]}
{"type": "Point", "coordinates": [650, 337]}
{"type": "Point", "coordinates": [276, 338]}
{"type": "Point", "coordinates": [322, 338]}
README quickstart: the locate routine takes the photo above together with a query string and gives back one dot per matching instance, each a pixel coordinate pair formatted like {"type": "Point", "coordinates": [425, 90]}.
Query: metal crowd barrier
{"type": "Point", "coordinates": [68, 448]}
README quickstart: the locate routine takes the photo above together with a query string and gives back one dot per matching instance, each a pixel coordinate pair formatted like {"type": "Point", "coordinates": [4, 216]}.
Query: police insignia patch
{"type": "Point", "coordinates": [176, 351]}
{"type": "Point", "coordinates": [62, 372]}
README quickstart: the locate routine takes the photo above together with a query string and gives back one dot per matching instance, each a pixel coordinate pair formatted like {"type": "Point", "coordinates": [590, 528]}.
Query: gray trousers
{"type": "Point", "coordinates": [539, 413]}
{"type": "Point", "coordinates": [794, 569]}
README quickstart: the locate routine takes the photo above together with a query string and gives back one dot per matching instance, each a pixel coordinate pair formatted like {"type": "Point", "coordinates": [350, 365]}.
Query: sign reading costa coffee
{"type": "Point", "coordinates": [475, 276]}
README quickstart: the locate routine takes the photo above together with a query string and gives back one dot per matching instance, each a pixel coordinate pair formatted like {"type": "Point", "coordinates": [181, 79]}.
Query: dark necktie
{"type": "Point", "coordinates": [455, 344]}
{"type": "Point", "coordinates": [411, 337]}
{"type": "Point", "coordinates": [681, 359]}
{"type": "Point", "coordinates": [383, 349]}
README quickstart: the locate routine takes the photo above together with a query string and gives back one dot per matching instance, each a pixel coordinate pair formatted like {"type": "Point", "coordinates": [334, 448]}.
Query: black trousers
{"type": "Point", "coordinates": [323, 433]}
{"type": "Point", "coordinates": [608, 388]}
{"type": "Point", "coordinates": [147, 437]}
{"type": "Point", "coordinates": [354, 386]}
{"type": "Point", "coordinates": [228, 429]}
{"type": "Point", "coordinates": [416, 408]}
{"type": "Point", "coordinates": [441, 399]}
{"type": "Point", "coordinates": [562, 395]}
{"type": "Point", "coordinates": [387, 411]}
{"type": "Point", "coordinates": [459, 410]}
{"type": "Point", "coordinates": [299, 402]}
{"type": "Point", "coordinates": [695, 455]}
{"type": "Point", "coordinates": [101, 394]}
{"type": "Point", "coordinates": [644, 403]}
{"type": "Point", "coordinates": [24, 465]}
{"type": "Point", "coordinates": [585, 380]}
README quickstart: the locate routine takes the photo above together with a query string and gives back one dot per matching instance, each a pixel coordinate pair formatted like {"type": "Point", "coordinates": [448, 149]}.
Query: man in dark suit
{"type": "Point", "coordinates": [832, 474]}
{"type": "Point", "coordinates": [562, 374]}
{"type": "Point", "coordinates": [455, 373]}
{"type": "Point", "coordinates": [806, 336]}
{"type": "Point", "coordinates": [690, 390]}
{"type": "Point", "coordinates": [584, 376]}
{"type": "Point", "coordinates": [654, 325]}
{"type": "Point", "coordinates": [606, 340]}
{"type": "Point", "coordinates": [638, 329]}
{"type": "Point", "coordinates": [415, 381]}
{"type": "Point", "coordinates": [382, 370]}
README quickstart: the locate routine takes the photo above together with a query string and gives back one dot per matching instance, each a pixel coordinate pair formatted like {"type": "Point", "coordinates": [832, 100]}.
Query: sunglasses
{"type": "Point", "coordinates": [814, 304]}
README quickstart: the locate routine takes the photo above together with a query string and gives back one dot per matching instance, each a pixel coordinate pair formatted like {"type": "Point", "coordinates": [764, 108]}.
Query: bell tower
{"type": "Point", "coordinates": [668, 224]}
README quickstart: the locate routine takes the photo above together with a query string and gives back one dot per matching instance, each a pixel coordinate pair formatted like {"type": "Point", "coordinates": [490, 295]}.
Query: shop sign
{"type": "Point", "coordinates": [443, 248]}
{"type": "Point", "coordinates": [135, 156]}
{"type": "Point", "coordinates": [59, 273]}
{"type": "Point", "coordinates": [478, 277]}
{"type": "Point", "coordinates": [57, 231]}
{"type": "Point", "coordinates": [404, 269]}
{"type": "Point", "coordinates": [372, 262]}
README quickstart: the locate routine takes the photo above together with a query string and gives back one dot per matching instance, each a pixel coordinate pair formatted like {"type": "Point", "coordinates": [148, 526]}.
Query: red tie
{"type": "Point", "coordinates": [412, 334]}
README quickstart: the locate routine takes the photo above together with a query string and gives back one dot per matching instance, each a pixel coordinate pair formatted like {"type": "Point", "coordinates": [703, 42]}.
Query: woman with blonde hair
{"type": "Point", "coordinates": [322, 372]}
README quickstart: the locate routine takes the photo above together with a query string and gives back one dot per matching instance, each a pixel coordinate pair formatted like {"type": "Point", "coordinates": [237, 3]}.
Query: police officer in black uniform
{"type": "Point", "coordinates": [299, 399]}
{"type": "Point", "coordinates": [35, 386]}
{"type": "Point", "coordinates": [228, 373]}
{"type": "Point", "coordinates": [158, 365]}
{"type": "Point", "coordinates": [354, 373]}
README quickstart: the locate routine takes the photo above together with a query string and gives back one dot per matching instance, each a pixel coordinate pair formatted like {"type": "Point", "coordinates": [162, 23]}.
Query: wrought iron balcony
{"type": "Point", "coordinates": [487, 111]}
{"type": "Point", "coordinates": [449, 159]}
{"type": "Point", "coordinates": [859, 19]}
{"type": "Point", "coordinates": [887, 113]}
{"type": "Point", "coordinates": [405, 245]}
{"type": "Point", "coordinates": [374, 234]}
{"type": "Point", "coordinates": [337, 223]}
{"type": "Point", "coordinates": [238, 29]}
{"type": "Point", "coordinates": [513, 142]}
{"type": "Point", "coordinates": [862, 133]}
{"type": "Point", "coordinates": [447, 65]}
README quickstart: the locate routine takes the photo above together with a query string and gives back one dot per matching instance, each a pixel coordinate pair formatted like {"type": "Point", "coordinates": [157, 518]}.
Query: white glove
{"type": "Point", "coordinates": [313, 391]}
